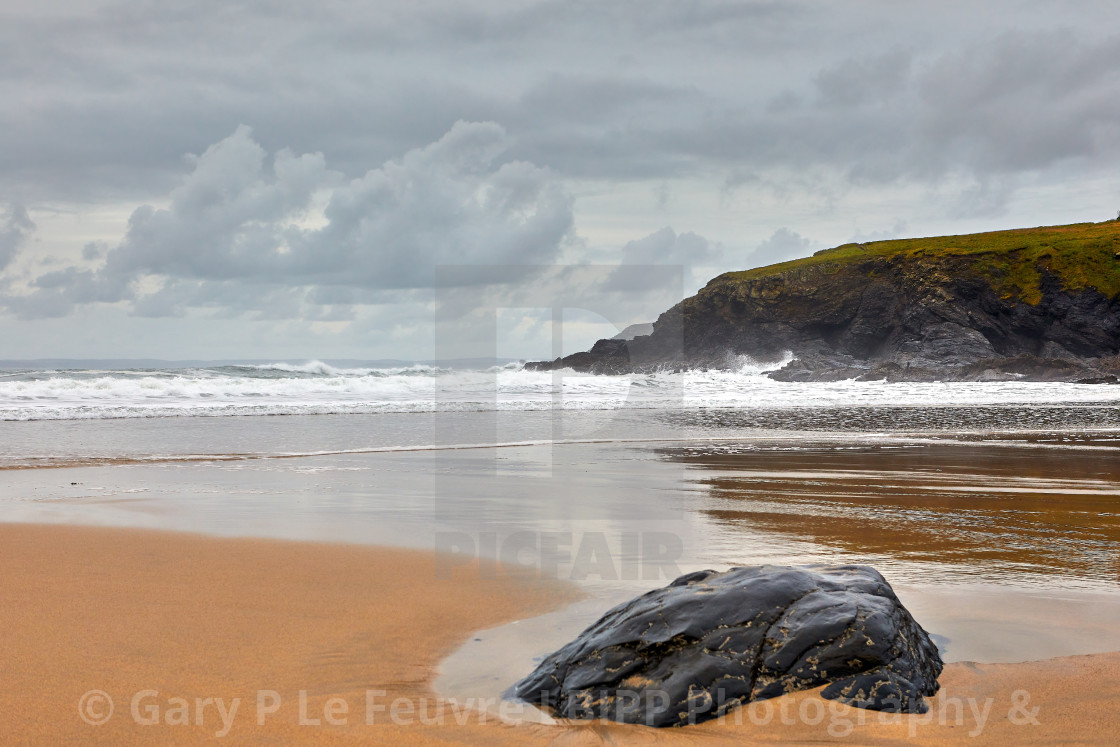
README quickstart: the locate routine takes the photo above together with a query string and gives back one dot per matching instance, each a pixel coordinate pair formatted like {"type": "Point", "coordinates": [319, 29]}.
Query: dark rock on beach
{"type": "Point", "coordinates": [709, 641]}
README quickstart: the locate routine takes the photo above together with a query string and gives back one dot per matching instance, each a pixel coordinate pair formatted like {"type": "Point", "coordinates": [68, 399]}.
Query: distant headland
{"type": "Point", "coordinates": [1034, 303]}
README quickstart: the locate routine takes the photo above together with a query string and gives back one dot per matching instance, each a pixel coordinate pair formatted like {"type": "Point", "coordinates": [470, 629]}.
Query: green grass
{"type": "Point", "coordinates": [1082, 256]}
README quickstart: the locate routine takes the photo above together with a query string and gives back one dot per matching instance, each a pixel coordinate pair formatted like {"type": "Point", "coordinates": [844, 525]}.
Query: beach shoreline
{"type": "Point", "coordinates": [339, 643]}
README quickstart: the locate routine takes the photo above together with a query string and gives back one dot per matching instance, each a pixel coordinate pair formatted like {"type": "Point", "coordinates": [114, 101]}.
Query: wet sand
{"type": "Point", "coordinates": [180, 626]}
{"type": "Point", "coordinates": [1006, 553]}
{"type": "Point", "coordinates": [1019, 512]}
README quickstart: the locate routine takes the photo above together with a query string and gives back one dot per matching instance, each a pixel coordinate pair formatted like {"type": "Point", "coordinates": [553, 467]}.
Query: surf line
{"type": "Point", "coordinates": [815, 439]}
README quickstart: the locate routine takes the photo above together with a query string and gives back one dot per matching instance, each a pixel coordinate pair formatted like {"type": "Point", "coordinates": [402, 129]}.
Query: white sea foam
{"type": "Point", "coordinates": [316, 387]}
{"type": "Point", "coordinates": [746, 365]}
{"type": "Point", "coordinates": [324, 369]}
{"type": "Point", "coordinates": [312, 367]}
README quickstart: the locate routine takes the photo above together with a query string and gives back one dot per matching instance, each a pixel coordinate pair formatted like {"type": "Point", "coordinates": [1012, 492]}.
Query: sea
{"type": "Point", "coordinates": [993, 508]}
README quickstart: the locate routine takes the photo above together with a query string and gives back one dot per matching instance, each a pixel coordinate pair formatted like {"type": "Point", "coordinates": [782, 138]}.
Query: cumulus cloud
{"type": "Point", "coordinates": [15, 227]}
{"type": "Point", "coordinates": [783, 245]}
{"type": "Point", "coordinates": [666, 246]}
{"type": "Point", "coordinates": [94, 250]}
{"type": "Point", "coordinates": [56, 293]}
{"type": "Point", "coordinates": [243, 218]}
{"type": "Point", "coordinates": [644, 260]}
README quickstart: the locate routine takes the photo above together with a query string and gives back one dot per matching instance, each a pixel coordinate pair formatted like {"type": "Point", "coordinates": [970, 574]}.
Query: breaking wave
{"type": "Point", "coordinates": [315, 387]}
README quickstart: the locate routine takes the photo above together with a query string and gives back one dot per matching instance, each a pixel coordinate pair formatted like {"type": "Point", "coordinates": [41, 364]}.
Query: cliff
{"type": "Point", "coordinates": [1039, 303]}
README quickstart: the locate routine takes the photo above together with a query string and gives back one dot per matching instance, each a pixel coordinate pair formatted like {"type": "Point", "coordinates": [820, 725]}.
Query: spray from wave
{"type": "Point", "coordinates": [748, 366]}
{"type": "Point", "coordinates": [319, 368]}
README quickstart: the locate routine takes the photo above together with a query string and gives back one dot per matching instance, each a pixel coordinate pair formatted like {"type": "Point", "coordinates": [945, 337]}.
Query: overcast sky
{"type": "Point", "coordinates": [222, 179]}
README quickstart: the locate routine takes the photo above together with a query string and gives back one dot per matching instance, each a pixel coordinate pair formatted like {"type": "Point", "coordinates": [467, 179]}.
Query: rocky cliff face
{"type": "Point", "coordinates": [1035, 303]}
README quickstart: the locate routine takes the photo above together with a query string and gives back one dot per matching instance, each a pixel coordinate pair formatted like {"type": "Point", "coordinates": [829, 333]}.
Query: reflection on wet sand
{"type": "Point", "coordinates": [1004, 551]}
{"type": "Point", "coordinates": [992, 512]}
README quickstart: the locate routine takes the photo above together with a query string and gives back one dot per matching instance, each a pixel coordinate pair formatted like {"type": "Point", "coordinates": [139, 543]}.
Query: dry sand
{"type": "Point", "coordinates": [192, 618]}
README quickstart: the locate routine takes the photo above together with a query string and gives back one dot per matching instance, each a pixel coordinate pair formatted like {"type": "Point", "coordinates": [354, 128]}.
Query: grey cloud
{"type": "Point", "coordinates": [448, 204]}
{"type": "Point", "coordinates": [896, 231]}
{"type": "Point", "coordinates": [986, 196]}
{"type": "Point", "coordinates": [15, 227]}
{"type": "Point", "coordinates": [651, 262]}
{"type": "Point", "coordinates": [465, 316]}
{"type": "Point", "coordinates": [783, 102]}
{"type": "Point", "coordinates": [587, 99]}
{"type": "Point", "coordinates": [1023, 102]}
{"type": "Point", "coordinates": [339, 313]}
{"type": "Point", "coordinates": [39, 305]}
{"type": "Point", "coordinates": [57, 292]}
{"type": "Point", "coordinates": [783, 245]}
{"type": "Point", "coordinates": [224, 220]}
{"type": "Point", "coordinates": [620, 20]}
{"type": "Point", "coordinates": [644, 261]}
{"type": "Point", "coordinates": [861, 80]}
{"type": "Point", "coordinates": [666, 246]}
{"type": "Point", "coordinates": [240, 217]}
{"type": "Point", "coordinates": [104, 97]}
{"type": "Point", "coordinates": [346, 295]}
{"type": "Point", "coordinates": [230, 299]}
{"type": "Point", "coordinates": [170, 300]}
{"type": "Point", "coordinates": [94, 250]}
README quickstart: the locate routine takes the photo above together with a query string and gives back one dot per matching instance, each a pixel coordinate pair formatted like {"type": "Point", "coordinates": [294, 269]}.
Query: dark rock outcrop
{"type": "Point", "coordinates": [605, 357]}
{"type": "Point", "coordinates": [710, 641]}
{"type": "Point", "coordinates": [1037, 303]}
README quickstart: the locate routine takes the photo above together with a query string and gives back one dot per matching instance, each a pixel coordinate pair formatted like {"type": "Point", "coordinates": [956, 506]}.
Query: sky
{"type": "Point", "coordinates": [365, 180]}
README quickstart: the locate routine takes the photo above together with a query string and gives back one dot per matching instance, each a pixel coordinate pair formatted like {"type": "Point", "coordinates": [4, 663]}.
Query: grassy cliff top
{"type": "Point", "coordinates": [1083, 255]}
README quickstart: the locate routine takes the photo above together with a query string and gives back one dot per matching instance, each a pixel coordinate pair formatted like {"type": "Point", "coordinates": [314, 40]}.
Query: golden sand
{"type": "Point", "coordinates": [257, 641]}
